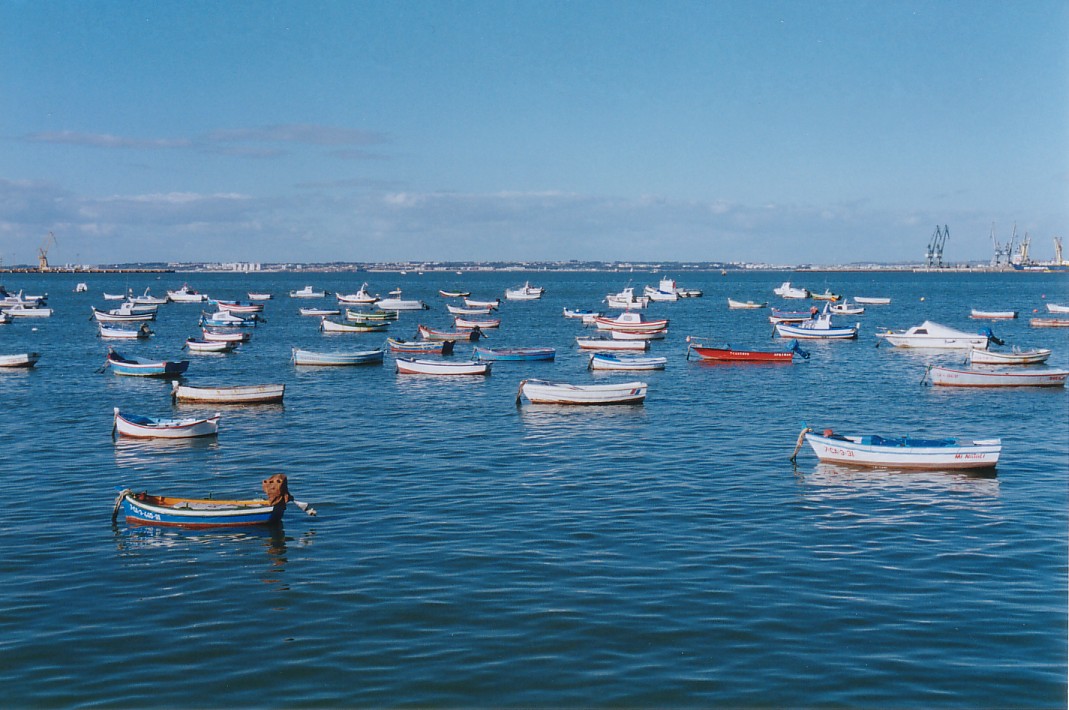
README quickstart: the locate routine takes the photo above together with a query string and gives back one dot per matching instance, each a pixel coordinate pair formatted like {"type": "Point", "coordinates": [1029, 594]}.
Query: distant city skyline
{"type": "Point", "coordinates": [774, 132]}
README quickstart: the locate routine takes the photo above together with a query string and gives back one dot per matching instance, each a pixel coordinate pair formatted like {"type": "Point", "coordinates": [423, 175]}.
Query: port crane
{"type": "Point", "coordinates": [934, 256]}
{"type": "Point", "coordinates": [1002, 251]}
{"type": "Point", "coordinates": [42, 253]}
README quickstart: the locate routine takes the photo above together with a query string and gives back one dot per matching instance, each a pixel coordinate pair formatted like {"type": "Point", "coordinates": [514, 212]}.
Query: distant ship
{"type": "Point", "coordinates": [1022, 262]}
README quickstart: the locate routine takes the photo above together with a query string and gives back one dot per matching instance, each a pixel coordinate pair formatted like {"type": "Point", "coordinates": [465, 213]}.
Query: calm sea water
{"type": "Point", "coordinates": [471, 553]}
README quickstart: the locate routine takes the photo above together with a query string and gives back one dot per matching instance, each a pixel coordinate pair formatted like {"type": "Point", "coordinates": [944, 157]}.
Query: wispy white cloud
{"type": "Point", "coordinates": [106, 140]}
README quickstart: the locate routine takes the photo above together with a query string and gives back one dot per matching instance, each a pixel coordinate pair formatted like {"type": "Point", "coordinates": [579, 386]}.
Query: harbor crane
{"type": "Point", "coordinates": [1002, 251]}
{"type": "Point", "coordinates": [42, 253]}
{"type": "Point", "coordinates": [934, 256]}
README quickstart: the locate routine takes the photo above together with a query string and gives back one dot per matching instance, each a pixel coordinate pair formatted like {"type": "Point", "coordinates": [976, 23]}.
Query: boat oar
{"type": "Point", "coordinates": [519, 392]}
{"type": "Point", "coordinates": [118, 504]}
{"type": "Point", "coordinates": [798, 445]}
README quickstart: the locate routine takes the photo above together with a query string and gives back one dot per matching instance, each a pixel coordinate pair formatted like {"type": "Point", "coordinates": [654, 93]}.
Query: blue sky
{"type": "Point", "coordinates": [319, 131]}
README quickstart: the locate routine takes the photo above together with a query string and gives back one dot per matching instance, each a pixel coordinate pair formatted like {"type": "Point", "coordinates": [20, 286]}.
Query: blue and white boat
{"type": "Point", "coordinates": [515, 353]}
{"type": "Point", "coordinates": [819, 328]}
{"type": "Point", "coordinates": [902, 451]}
{"type": "Point", "coordinates": [608, 361]}
{"type": "Point", "coordinates": [357, 357]}
{"type": "Point", "coordinates": [144, 368]}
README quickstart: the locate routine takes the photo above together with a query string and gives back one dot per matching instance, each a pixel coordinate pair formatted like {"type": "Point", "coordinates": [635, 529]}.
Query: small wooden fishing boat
{"type": "Point", "coordinates": [138, 367]}
{"type": "Point", "coordinates": [1055, 308]}
{"type": "Point", "coordinates": [114, 296]}
{"type": "Point", "coordinates": [259, 296]}
{"type": "Point", "coordinates": [745, 305]}
{"type": "Point", "coordinates": [329, 326]}
{"type": "Point", "coordinates": [515, 353]}
{"type": "Point", "coordinates": [473, 303]}
{"type": "Point", "coordinates": [186, 295]}
{"type": "Point", "coordinates": [527, 292]}
{"type": "Point", "coordinates": [872, 300]}
{"type": "Point", "coordinates": [726, 353]}
{"type": "Point", "coordinates": [819, 328]}
{"type": "Point", "coordinates": [359, 357]}
{"type": "Point", "coordinates": [440, 347]}
{"type": "Point", "coordinates": [638, 334]}
{"type": "Point", "coordinates": [117, 316]}
{"type": "Point", "coordinates": [117, 333]}
{"type": "Point", "coordinates": [779, 316]}
{"type": "Point", "coordinates": [432, 334]}
{"type": "Point", "coordinates": [611, 344]}
{"type": "Point", "coordinates": [360, 298]}
{"type": "Point", "coordinates": [308, 292]}
{"type": "Point", "coordinates": [609, 361]}
{"type": "Point", "coordinates": [25, 360]}
{"type": "Point", "coordinates": [1049, 322]}
{"type": "Point", "coordinates": [370, 316]}
{"type": "Point", "coordinates": [127, 308]}
{"type": "Point", "coordinates": [396, 303]}
{"type": "Point", "coordinates": [543, 392]}
{"type": "Point", "coordinates": [633, 322]}
{"type": "Point", "coordinates": [1035, 356]}
{"type": "Point", "coordinates": [847, 309]}
{"type": "Point", "coordinates": [483, 323]}
{"type": "Point", "coordinates": [81, 287]}
{"type": "Point", "coordinates": [145, 509]}
{"type": "Point", "coordinates": [241, 394]}
{"type": "Point", "coordinates": [953, 377]}
{"type": "Point", "coordinates": [454, 294]}
{"type": "Point", "coordinates": [826, 296]}
{"type": "Point", "coordinates": [992, 315]}
{"type": "Point", "coordinates": [21, 310]}
{"type": "Point", "coordinates": [584, 315]}
{"type": "Point", "coordinates": [934, 335]}
{"type": "Point", "coordinates": [159, 428]}
{"type": "Point", "coordinates": [225, 336]}
{"type": "Point", "coordinates": [689, 292]}
{"type": "Point", "coordinates": [412, 366]}
{"type": "Point", "coordinates": [236, 307]}
{"type": "Point", "coordinates": [902, 452]}
{"type": "Point", "coordinates": [458, 311]}
{"type": "Point", "coordinates": [785, 290]}
{"type": "Point", "coordinates": [627, 299]}
{"type": "Point", "coordinates": [658, 296]}
{"type": "Point", "coordinates": [319, 312]}
{"type": "Point", "coordinates": [209, 346]}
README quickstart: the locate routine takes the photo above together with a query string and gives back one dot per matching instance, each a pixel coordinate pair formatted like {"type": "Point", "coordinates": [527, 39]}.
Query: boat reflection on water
{"type": "Point", "coordinates": [139, 452]}
{"type": "Point", "coordinates": [594, 422]}
{"type": "Point", "coordinates": [830, 482]}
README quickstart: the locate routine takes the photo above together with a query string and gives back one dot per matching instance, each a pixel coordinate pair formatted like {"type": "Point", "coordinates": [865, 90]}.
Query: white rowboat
{"type": "Point", "coordinates": [952, 377]}
{"type": "Point", "coordinates": [543, 392]}
{"type": "Point", "coordinates": [606, 361]}
{"type": "Point", "coordinates": [979, 356]}
{"type": "Point", "coordinates": [157, 428]}
{"type": "Point", "coordinates": [412, 366]}
{"type": "Point", "coordinates": [19, 360]}
{"type": "Point", "coordinates": [242, 394]}
{"type": "Point", "coordinates": [905, 452]}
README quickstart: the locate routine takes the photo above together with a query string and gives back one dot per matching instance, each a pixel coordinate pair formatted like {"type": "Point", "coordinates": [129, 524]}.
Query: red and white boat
{"type": "Point", "coordinates": [432, 334]}
{"type": "Point", "coordinates": [629, 321]}
{"type": "Point", "coordinates": [727, 353]}
{"type": "Point", "coordinates": [462, 322]}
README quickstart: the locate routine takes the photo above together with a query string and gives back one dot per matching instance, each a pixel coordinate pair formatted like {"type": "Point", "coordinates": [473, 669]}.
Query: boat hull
{"type": "Point", "coordinates": [979, 356]}
{"type": "Point", "coordinates": [151, 428]}
{"type": "Point", "coordinates": [950, 377]}
{"type": "Point", "coordinates": [411, 366]}
{"type": "Point", "coordinates": [318, 359]}
{"type": "Point", "coordinates": [909, 454]}
{"type": "Point", "coordinates": [542, 392]}
{"type": "Point", "coordinates": [603, 361]}
{"type": "Point", "coordinates": [20, 360]}
{"type": "Point", "coordinates": [732, 355]}
{"type": "Point", "coordinates": [144, 509]}
{"type": "Point", "coordinates": [515, 354]}
{"type": "Point", "coordinates": [244, 394]}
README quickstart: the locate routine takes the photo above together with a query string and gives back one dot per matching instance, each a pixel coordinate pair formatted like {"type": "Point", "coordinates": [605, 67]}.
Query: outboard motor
{"type": "Point", "coordinates": [795, 348]}
{"type": "Point", "coordinates": [992, 337]}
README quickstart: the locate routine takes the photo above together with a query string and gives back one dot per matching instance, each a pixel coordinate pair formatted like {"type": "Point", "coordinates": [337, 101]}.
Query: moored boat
{"type": "Point", "coordinates": [826, 296]}
{"type": "Point", "coordinates": [186, 295]}
{"type": "Point", "coordinates": [432, 334]}
{"type": "Point", "coordinates": [361, 297]}
{"type": "Point", "coordinates": [745, 305]}
{"type": "Point", "coordinates": [146, 299]}
{"type": "Point", "coordinates": [162, 428]}
{"type": "Point", "coordinates": [609, 361]}
{"type": "Point", "coordinates": [785, 290]}
{"type": "Point", "coordinates": [630, 321]}
{"type": "Point", "coordinates": [847, 309]}
{"type": "Point", "coordinates": [727, 353]}
{"type": "Point", "coordinates": [308, 292]}
{"type": "Point", "coordinates": [240, 394]}
{"type": "Point", "coordinates": [145, 509]}
{"type": "Point", "coordinates": [319, 312]}
{"type": "Point", "coordinates": [117, 333]}
{"type": "Point", "coordinates": [872, 300]}
{"type": "Point", "coordinates": [515, 353]}
{"type": "Point", "coordinates": [259, 296]}
{"type": "Point", "coordinates": [413, 366]}
{"type": "Point", "coordinates": [819, 328]}
{"type": "Point", "coordinates": [954, 377]}
{"type": "Point", "coordinates": [120, 315]}
{"type": "Point", "coordinates": [396, 303]}
{"type": "Point", "coordinates": [359, 357]}
{"type": "Point", "coordinates": [216, 335]}
{"type": "Point", "coordinates": [24, 360]}
{"type": "Point", "coordinates": [1055, 308]}
{"type": "Point", "coordinates": [1049, 322]}
{"type": "Point", "coordinates": [527, 292]}
{"type": "Point", "coordinates": [139, 367]}
{"type": "Point", "coordinates": [484, 323]}
{"type": "Point", "coordinates": [454, 294]}
{"type": "Point", "coordinates": [475, 303]}
{"type": "Point", "coordinates": [21, 310]}
{"type": "Point", "coordinates": [992, 315]}
{"type": "Point", "coordinates": [208, 346]}
{"type": "Point", "coordinates": [329, 326]}
{"type": "Point", "coordinates": [627, 299]}
{"type": "Point", "coordinates": [779, 316]}
{"type": "Point", "coordinates": [459, 311]}
{"type": "Point", "coordinates": [1017, 356]}
{"type": "Point", "coordinates": [904, 451]}
{"type": "Point", "coordinates": [439, 347]}
{"type": "Point", "coordinates": [933, 335]}
{"type": "Point", "coordinates": [544, 392]}
{"type": "Point", "coordinates": [584, 315]}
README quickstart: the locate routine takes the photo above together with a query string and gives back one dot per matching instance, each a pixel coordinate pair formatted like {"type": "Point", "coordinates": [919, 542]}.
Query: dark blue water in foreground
{"type": "Point", "coordinates": [471, 553]}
